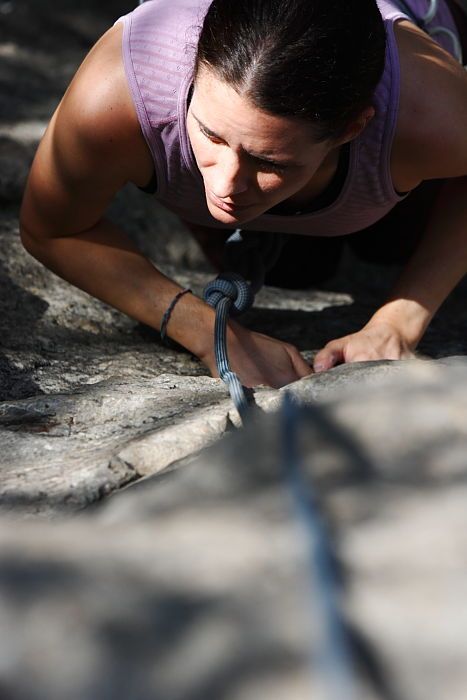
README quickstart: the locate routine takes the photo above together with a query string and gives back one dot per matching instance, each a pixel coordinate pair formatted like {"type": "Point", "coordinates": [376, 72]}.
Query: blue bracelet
{"type": "Point", "coordinates": [168, 313]}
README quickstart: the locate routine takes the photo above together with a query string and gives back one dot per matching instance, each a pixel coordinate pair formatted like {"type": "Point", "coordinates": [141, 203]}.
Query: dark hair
{"type": "Point", "coordinates": [319, 60]}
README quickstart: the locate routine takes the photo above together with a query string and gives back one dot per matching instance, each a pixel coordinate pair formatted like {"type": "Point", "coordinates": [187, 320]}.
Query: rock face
{"type": "Point", "coordinates": [195, 582]}
{"type": "Point", "coordinates": [68, 362]}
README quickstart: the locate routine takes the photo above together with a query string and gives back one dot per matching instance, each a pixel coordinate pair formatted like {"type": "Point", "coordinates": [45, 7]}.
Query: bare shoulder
{"type": "Point", "coordinates": [431, 137]}
{"type": "Point", "coordinates": [97, 112]}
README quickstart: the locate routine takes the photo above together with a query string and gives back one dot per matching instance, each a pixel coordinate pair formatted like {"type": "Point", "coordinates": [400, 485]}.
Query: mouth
{"type": "Point", "coordinates": [228, 207]}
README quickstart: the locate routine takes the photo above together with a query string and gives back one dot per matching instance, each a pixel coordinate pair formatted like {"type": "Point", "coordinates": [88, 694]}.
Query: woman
{"type": "Point", "coordinates": [305, 117]}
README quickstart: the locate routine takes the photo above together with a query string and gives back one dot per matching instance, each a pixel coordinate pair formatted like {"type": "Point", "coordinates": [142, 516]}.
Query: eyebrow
{"type": "Point", "coordinates": [260, 156]}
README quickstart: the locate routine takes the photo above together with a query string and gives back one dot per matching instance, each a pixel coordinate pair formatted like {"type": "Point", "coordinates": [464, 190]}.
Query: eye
{"type": "Point", "coordinates": [270, 166]}
{"type": "Point", "coordinates": [267, 166]}
{"type": "Point", "coordinates": [211, 137]}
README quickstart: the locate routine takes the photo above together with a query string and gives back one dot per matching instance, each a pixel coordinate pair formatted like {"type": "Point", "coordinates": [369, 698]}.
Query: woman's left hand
{"type": "Point", "coordinates": [378, 340]}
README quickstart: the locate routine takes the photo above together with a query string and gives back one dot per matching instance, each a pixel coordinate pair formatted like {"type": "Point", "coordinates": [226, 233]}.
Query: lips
{"type": "Point", "coordinates": [226, 206]}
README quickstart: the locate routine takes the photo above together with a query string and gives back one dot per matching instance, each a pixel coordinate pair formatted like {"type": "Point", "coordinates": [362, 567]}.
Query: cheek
{"type": "Point", "coordinates": [270, 183]}
{"type": "Point", "coordinates": [205, 152]}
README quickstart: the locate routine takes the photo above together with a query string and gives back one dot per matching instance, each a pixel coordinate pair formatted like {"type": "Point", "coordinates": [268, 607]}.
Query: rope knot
{"type": "Point", "coordinates": [232, 286]}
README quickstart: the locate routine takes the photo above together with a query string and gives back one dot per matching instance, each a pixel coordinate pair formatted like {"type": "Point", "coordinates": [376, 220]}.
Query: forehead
{"type": "Point", "coordinates": [233, 117]}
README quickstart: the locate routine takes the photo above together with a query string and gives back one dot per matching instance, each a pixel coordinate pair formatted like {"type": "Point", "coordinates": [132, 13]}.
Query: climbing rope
{"type": "Point", "coordinates": [251, 255]}
{"type": "Point", "coordinates": [339, 650]}
{"type": "Point", "coordinates": [229, 294]}
{"type": "Point", "coordinates": [334, 644]}
{"type": "Point", "coordinates": [233, 293]}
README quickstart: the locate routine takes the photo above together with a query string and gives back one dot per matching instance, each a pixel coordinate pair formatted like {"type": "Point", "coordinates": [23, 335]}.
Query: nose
{"type": "Point", "coordinates": [229, 177]}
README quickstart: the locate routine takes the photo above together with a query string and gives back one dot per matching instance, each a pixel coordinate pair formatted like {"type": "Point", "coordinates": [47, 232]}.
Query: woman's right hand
{"type": "Point", "coordinates": [259, 359]}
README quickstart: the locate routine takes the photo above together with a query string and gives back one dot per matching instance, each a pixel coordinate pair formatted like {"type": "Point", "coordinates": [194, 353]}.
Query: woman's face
{"type": "Point", "coordinates": [250, 160]}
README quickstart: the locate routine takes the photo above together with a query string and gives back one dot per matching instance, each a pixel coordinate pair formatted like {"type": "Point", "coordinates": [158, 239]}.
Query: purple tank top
{"type": "Point", "coordinates": [159, 45]}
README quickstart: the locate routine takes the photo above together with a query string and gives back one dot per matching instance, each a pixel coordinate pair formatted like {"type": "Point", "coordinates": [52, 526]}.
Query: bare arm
{"type": "Point", "coordinates": [92, 147]}
{"type": "Point", "coordinates": [431, 143]}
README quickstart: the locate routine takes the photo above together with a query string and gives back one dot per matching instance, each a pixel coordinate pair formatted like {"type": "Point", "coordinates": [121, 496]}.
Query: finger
{"type": "Point", "coordinates": [330, 356]}
{"type": "Point", "coordinates": [301, 367]}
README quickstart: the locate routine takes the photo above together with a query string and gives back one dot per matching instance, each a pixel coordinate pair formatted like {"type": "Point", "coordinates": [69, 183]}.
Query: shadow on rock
{"type": "Point", "coordinates": [20, 312]}
{"type": "Point", "coordinates": [307, 329]}
{"type": "Point", "coordinates": [15, 383]}
{"type": "Point", "coordinates": [43, 46]}
{"type": "Point", "coordinates": [15, 161]}
{"type": "Point", "coordinates": [313, 329]}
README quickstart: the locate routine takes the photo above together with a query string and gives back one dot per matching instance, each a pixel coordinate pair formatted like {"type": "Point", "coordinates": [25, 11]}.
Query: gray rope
{"type": "Point", "coordinates": [335, 647]}
{"type": "Point", "coordinates": [340, 647]}
{"type": "Point", "coordinates": [230, 294]}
